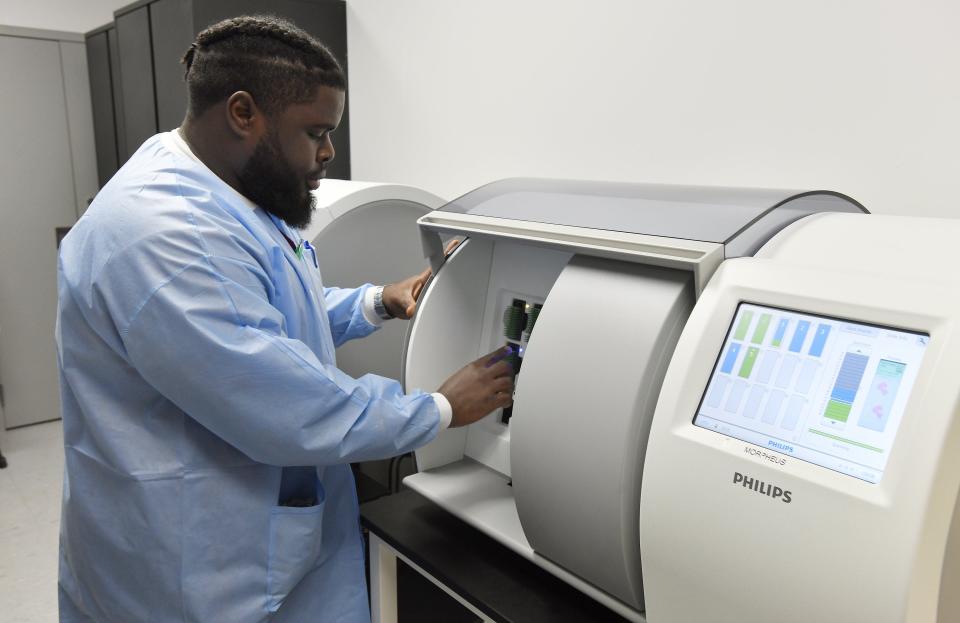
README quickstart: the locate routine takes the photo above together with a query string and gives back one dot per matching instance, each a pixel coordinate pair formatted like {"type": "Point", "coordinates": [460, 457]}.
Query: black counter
{"type": "Point", "coordinates": [500, 583]}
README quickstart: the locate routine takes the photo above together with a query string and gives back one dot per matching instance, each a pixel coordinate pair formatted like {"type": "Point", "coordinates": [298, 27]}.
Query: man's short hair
{"type": "Point", "coordinates": [275, 61]}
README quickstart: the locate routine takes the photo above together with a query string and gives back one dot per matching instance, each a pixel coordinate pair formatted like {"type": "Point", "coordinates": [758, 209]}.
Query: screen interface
{"type": "Point", "coordinates": [825, 390]}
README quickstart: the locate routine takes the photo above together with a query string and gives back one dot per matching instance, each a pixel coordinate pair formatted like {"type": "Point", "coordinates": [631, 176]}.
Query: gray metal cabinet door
{"type": "Point", "coordinates": [76, 86]}
{"type": "Point", "coordinates": [36, 196]}
{"type": "Point", "coordinates": [101, 94]}
{"type": "Point", "coordinates": [171, 22]}
{"type": "Point", "coordinates": [114, 46]}
{"type": "Point", "coordinates": [136, 80]}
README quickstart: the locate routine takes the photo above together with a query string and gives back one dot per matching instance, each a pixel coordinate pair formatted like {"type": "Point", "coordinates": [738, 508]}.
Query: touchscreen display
{"type": "Point", "coordinates": [825, 390]}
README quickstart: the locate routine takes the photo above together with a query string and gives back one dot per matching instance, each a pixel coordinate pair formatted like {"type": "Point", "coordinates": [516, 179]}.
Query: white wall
{"type": "Point", "coordinates": [65, 15]}
{"type": "Point", "coordinates": [860, 96]}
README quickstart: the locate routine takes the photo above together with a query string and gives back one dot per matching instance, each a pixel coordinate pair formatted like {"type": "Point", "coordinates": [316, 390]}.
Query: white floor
{"type": "Point", "coordinates": [29, 522]}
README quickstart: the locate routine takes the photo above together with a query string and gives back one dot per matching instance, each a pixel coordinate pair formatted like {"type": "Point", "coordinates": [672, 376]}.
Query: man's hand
{"type": "Point", "coordinates": [400, 298]}
{"type": "Point", "coordinates": [480, 387]}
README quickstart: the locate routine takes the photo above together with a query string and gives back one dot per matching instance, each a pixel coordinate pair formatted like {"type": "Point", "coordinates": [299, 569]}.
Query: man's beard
{"type": "Point", "coordinates": [269, 181]}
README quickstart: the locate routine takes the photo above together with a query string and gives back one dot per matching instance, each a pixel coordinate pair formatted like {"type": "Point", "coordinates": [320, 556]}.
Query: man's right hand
{"type": "Point", "coordinates": [479, 388]}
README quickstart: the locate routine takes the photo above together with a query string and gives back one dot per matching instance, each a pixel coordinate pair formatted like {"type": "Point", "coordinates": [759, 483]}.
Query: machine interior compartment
{"type": "Point", "coordinates": [489, 295]}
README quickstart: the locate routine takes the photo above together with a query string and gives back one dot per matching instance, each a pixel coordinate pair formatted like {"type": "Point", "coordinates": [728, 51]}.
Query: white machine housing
{"type": "Point", "coordinates": [366, 232]}
{"type": "Point", "coordinates": [617, 269]}
{"type": "Point", "coordinates": [843, 548]}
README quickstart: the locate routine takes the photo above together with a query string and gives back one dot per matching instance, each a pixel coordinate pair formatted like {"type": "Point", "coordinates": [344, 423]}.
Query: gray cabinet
{"type": "Point", "coordinates": [149, 39]}
{"type": "Point", "coordinates": [46, 174]}
{"type": "Point", "coordinates": [117, 93]}
{"type": "Point", "coordinates": [101, 97]}
{"type": "Point", "coordinates": [136, 80]}
{"type": "Point", "coordinates": [106, 96]}
{"type": "Point", "coordinates": [171, 22]}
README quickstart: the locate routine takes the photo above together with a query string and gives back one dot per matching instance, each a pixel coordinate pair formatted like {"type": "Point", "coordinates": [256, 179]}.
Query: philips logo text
{"type": "Point", "coordinates": [761, 487]}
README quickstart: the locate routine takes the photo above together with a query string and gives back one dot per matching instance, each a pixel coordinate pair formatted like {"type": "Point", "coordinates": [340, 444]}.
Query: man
{"type": "Point", "coordinates": [207, 430]}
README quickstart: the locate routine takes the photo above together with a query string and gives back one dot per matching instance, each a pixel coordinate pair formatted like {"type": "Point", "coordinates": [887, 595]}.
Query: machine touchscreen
{"type": "Point", "coordinates": [821, 389]}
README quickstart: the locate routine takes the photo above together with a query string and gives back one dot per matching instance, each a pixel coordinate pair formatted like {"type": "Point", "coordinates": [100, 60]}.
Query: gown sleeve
{"type": "Point", "coordinates": [209, 340]}
{"type": "Point", "coordinates": [345, 311]}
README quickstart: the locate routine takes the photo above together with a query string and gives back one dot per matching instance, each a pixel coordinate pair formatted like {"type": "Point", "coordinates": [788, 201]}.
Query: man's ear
{"type": "Point", "coordinates": [244, 117]}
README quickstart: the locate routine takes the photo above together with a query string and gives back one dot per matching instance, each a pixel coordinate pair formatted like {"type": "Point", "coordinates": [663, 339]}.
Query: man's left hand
{"type": "Point", "coordinates": [400, 298]}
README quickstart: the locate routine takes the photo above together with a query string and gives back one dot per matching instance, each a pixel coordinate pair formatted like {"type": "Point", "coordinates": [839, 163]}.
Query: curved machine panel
{"type": "Point", "coordinates": [588, 483]}
{"type": "Point", "coordinates": [367, 233]}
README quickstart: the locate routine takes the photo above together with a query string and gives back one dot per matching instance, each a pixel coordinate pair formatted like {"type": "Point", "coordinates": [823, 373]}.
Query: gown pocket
{"type": "Point", "coordinates": [296, 536]}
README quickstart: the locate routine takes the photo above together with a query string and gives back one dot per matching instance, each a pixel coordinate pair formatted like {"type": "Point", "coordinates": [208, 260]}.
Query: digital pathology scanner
{"type": "Point", "coordinates": [592, 284]}
{"type": "Point", "coordinates": [804, 459]}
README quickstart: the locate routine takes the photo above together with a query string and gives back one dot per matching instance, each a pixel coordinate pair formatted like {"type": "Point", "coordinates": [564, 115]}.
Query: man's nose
{"type": "Point", "coordinates": [326, 152]}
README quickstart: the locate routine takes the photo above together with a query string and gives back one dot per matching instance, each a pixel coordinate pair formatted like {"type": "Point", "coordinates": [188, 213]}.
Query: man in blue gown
{"type": "Point", "coordinates": [208, 432]}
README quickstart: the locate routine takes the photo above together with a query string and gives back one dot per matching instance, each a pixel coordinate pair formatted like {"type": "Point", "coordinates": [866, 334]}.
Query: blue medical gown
{"type": "Point", "coordinates": [197, 365]}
